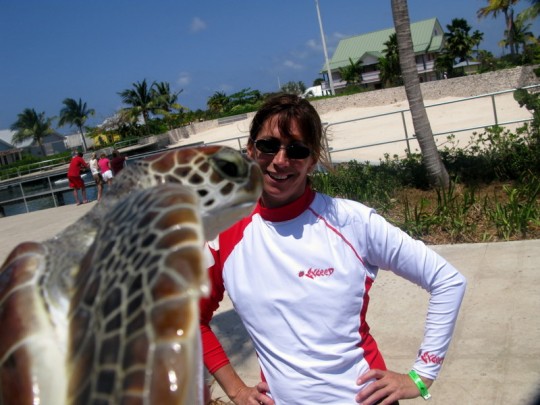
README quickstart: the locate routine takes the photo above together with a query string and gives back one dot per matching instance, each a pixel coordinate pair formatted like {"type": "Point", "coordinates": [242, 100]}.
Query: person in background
{"type": "Point", "coordinates": [117, 162]}
{"type": "Point", "coordinates": [98, 179]}
{"type": "Point", "coordinates": [75, 180]}
{"type": "Point", "coordinates": [298, 271]}
{"type": "Point", "coordinates": [105, 168]}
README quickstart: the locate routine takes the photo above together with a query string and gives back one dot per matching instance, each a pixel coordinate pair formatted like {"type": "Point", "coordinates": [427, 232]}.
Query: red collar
{"type": "Point", "coordinates": [289, 211]}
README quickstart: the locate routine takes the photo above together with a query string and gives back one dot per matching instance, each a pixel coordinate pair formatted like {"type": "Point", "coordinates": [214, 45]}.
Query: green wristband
{"type": "Point", "coordinates": [420, 384]}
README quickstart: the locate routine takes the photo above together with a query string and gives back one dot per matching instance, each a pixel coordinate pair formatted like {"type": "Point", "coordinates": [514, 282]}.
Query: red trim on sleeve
{"type": "Point", "coordinates": [214, 355]}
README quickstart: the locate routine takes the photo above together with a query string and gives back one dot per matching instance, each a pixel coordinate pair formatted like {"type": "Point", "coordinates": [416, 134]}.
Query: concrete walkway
{"type": "Point", "coordinates": [495, 354]}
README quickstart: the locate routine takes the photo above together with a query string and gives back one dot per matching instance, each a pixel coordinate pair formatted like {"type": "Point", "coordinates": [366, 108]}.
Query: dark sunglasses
{"type": "Point", "coordinates": [272, 146]}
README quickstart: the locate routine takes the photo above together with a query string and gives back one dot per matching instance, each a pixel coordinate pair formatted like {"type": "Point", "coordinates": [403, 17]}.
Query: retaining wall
{"type": "Point", "coordinates": [466, 86]}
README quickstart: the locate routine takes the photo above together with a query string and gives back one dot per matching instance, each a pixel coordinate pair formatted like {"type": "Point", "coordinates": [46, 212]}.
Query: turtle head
{"type": "Point", "coordinates": [227, 183]}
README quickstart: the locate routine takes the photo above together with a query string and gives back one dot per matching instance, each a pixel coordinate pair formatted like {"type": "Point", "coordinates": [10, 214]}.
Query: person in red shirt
{"type": "Point", "coordinates": [74, 176]}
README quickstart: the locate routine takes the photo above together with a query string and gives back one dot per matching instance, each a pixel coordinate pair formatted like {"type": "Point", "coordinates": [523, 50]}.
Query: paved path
{"type": "Point", "coordinates": [495, 355]}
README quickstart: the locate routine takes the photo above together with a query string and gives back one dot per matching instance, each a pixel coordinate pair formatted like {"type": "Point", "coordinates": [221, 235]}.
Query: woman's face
{"type": "Point", "coordinates": [285, 179]}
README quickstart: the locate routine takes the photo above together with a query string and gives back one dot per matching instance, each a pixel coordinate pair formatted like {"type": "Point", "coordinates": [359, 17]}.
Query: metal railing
{"type": "Point", "coordinates": [408, 134]}
{"type": "Point", "coordinates": [41, 191]}
{"type": "Point", "coordinates": [51, 189]}
{"type": "Point", "coordinates": [23, 170]}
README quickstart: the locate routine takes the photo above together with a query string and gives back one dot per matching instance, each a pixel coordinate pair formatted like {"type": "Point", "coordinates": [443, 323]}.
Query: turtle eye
{"type": "Point", "coordinates": [230, 164]}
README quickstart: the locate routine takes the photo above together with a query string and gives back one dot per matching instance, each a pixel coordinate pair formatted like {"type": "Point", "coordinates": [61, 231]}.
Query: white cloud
{"type": "Point", "coordinates": [197, 25]}
{"type": "Point", "coordinates": [312, 44]}
{"type": "Point", "coordinates": [292, 65]}
{"type": "Point", "coordinates": [183, 79]}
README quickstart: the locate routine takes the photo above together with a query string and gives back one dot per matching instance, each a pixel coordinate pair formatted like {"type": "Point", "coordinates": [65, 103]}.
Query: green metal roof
{"type": "Point", "coordinates": [427, 36]}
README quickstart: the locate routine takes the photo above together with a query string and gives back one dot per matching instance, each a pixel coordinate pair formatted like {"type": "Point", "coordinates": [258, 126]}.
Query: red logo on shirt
{"type": "Point", "coordinates": [431, 358]}
{"type": "Point", "coordinates": [314, 273]}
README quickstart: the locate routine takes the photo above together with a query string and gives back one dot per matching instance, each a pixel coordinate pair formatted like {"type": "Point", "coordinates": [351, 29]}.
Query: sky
{"type": "Point", "coordinates": [56, 49]}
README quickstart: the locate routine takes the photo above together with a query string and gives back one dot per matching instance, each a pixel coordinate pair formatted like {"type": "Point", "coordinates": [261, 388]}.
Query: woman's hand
{"type": "Point", "coordinates": [387, 388]}
{"type": "Point", "coordinates": [253, 395]}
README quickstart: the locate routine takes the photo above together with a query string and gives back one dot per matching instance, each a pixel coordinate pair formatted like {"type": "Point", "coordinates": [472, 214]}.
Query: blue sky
{"type": "Point", "coordinates": [54, 49]}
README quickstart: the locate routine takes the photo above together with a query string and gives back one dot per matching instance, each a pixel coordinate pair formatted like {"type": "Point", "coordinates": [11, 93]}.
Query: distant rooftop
{"type": "Point", "coordinates": [427, 36]}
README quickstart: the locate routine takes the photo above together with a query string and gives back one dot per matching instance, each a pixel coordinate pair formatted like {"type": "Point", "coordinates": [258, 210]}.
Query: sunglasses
{"type": "Point", "coordinates": [272, 146]}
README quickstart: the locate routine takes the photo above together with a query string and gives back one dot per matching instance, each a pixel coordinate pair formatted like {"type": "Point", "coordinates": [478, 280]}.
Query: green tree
{"type": "Point", "coordinates": [477, 37]}
{"type": "Point", "coordinates": [488, 62]}
{"type": "Point", "coordinates": [294, 88]}
{"type": "Point", "coordinates": [75, 113]}
{"type": "Point", "coordinates": [522, 33]}
{"type": "Point", "coordinates": [352, 73]}
{"type": "Point", "coordinates": [494, 8]}
{"type": "Point", "coordinates": [458, 41]}
{"type": "Point", "coordinates": [390, 71]}
{"type": "Point", "coordinates": [166, 104]}
{"type": "Point", "coordinates": [165, 101]}
{"type": "Point", "coordinates": [444, 63]}
{"type": "Point", "coordinates": [31, 125]}
{"type": "Point", "coordinates": [141, 98]}
{"type": "Point", "coordinates": [532, 12]}
{"type": "Point", "coordinates": [430, 155]}
{"type": "Point", "coordinates": [244, 97]}
{"type": "Point", "coordinates": [218, 102]}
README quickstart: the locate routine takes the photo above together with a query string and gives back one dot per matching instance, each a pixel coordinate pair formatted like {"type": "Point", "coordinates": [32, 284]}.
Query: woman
{"type": "Point", "coordinates": [105, 167]}
{"type": "Point", "coordinates": [298, 272]}
{"type": "Point", "coordinates": [94, 168]}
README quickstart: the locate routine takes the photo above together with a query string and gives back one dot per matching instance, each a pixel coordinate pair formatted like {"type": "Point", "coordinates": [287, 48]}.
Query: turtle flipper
{"type": "Point", "coordinates": [30, 347]}
{"type": "Point", "coordinates": [134, 316]}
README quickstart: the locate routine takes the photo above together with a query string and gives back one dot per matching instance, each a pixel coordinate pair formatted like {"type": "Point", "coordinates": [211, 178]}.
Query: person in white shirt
{"type": "Point", "coordinates": [298, 271]}
{"type": "Point", "coordinates": [94, 168]}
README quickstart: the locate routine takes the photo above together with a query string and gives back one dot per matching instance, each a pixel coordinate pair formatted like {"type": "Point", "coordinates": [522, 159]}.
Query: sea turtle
{"type": "Point", "coordinates": [107, 311]}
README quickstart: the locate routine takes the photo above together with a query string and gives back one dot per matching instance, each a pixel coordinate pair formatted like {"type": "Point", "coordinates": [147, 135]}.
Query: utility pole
{"type": "Point", "coordinates": [330, 80]}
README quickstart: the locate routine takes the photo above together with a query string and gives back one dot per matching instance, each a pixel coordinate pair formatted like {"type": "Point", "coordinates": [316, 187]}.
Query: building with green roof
{"type": "Point", "coordinates": [428, 41]}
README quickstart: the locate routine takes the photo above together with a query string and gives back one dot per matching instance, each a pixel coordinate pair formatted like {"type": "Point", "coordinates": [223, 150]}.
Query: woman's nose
{"type": "Point", "coordinates": [281, 156]}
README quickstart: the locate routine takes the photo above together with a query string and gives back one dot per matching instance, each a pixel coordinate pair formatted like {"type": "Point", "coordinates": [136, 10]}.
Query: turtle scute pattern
{"type": "Point", "coordinates": [131, 323]}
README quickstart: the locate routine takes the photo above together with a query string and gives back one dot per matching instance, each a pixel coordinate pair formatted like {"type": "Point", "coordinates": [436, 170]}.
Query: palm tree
{"type": "Point", "coordinates": [444, 63]}
{"type": "Point", "coordinates": [389, 68]}
{"type": "Point", "coordinates": [75, 114]}
{"type": "Point", "coordinates": [430, 155]}
{"type": "Point", "coordinates": [294, 87]}
{"type": "Point", "coordinates": [244, 97]}
{"type": "Point", "coordinates": [522, 33]}
{"type": "Point", "coordinates": [141, 98]}
{"type": "Point", "coordinates": [166, 101]}
{"type": "Point", "coordinates": [352, 73]}
{"type": "Point", "coordinates": [458, 41]}
{"type": "Point", "coordinates": [218, 102]}
{"type": "Point", "coordinates": [532, 12]}
{"type": "Point", "coordinates": [31, 125]}
{"type": "Point", "coordinates": [477, 37]}
{"type": "Point", "coordinates": [495, 7]}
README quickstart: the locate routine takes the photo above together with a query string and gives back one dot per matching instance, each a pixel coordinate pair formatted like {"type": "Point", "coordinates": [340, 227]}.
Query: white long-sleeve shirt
{"type": "Point", "coordinates": [299, 277]}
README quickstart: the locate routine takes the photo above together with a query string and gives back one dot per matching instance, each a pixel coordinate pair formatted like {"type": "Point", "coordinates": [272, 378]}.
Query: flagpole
{"type": "Point", "coordinates": [330, 80]}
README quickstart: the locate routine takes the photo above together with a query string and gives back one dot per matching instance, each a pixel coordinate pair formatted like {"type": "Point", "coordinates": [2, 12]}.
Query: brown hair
{"type": "Point", "coordinates": [288, 108]}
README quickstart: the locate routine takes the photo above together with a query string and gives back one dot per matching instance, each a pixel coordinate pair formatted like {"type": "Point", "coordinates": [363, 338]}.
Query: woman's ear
{"type": "Point", "coordinates": [250, 150]}
{"type": "Point", "coordinates": [313, 164]}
